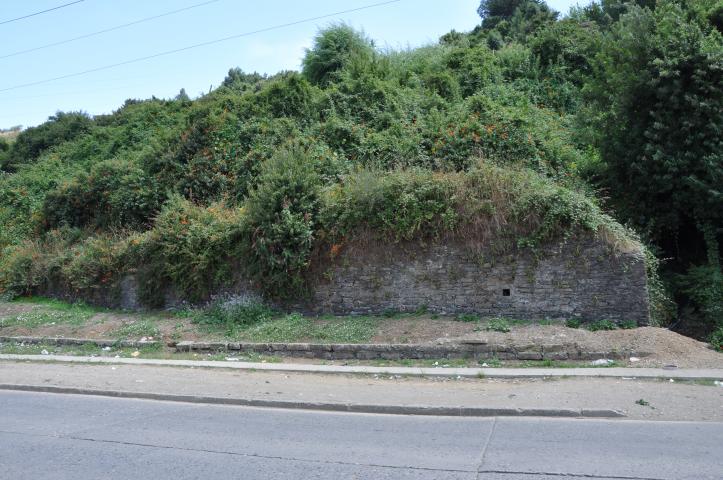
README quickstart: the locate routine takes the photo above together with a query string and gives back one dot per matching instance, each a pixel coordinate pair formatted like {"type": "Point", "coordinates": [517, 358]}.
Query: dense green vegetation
{"type": "Point", "coordinates": [533, 126]}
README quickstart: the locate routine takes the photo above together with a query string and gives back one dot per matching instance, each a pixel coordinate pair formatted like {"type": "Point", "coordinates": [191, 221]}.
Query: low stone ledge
{"type": "Point", "coordinates": [79, 342]}
{"type": "Point", "coordinates": [351, 351]}
{"type": "Point", "coordinates": [404, 351]}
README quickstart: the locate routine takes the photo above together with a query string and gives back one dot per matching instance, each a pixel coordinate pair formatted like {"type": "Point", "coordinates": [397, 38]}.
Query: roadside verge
{"type": "Point", "coordinates": [502, 373]}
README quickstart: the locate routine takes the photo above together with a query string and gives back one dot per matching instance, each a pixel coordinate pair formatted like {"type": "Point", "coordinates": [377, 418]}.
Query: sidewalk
{"type": "Point", "coordinates": [388, 392]}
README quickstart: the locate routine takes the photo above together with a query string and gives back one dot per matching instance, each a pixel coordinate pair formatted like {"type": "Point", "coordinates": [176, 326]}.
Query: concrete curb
{"type": "Point", "coordinates": [638, 373]}
{"type": "Point", "coordinates": [460, 411]}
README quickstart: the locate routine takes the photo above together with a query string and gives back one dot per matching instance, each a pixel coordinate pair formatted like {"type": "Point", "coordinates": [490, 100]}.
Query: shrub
{"type": "Point", "coordinates": [716, 339]}
{"type": "Point", "coordinates": [399, 205]}
{"type": "Point", "coordinates": [282, 219]}
{"type": "Point", "coordinates": [93, 263]}
{"type": "Point", "coordinates": [290, 95]}
{"type": "Point", "coordinates": [21, 269]}
{"type": "Point", "coordinates": [59, 128]}
{"type": "Point", "coordinates": [334, 48]}
{"type": "Point", "coordinates": [192, 248]}
{"type": "Point", "coordinates": [115, 193]}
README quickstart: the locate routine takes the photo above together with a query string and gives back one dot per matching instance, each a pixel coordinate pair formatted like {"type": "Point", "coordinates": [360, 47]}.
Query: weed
{"type": "Point", "coordinates": [234, 313]}
{"type": "Point", "coordinates": [493, 362]}
{"type": "Point", "coordinates": [421, 310]}
{"type": "Point", "coordinates": [467, 317]}
{"type": "Point", "coordinates": [601, 325]}
{"type": "Point", "coordinates": [642, 402]}
{"type": "Point", "coordinates": [573, 323]}
{"type": "Point", "coordinates": [628, 324]}
{"type": "Point", "coordinates": [498, 325]}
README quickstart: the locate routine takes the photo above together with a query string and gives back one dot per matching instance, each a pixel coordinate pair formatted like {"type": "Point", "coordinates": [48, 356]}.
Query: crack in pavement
{"type": "Point", "coordinates": [569, 475]}
{"type": "Point", "coordinates": [240, 454]}
{"type": "Point", "coordinates": [336, 462]}
{"type": "Point", "coordinates": [486, 446]}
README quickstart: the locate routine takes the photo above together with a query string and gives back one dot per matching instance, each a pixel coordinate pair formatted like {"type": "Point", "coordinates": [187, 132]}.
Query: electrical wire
{"type": "Point", "coordinates": [197, 45]}
{"type": "Point", "coordinates": [99, 32]}
{"type": "Point", "coordinates": [41, 12]}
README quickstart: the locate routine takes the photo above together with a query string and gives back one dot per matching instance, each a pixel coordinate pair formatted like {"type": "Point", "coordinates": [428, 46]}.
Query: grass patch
{"type": "Point", "coordinates": [297, 328]}
{"type": "Point", "coordinates": [602, 325]}
{"type": "Point", "coordinates": [40, 317]}
{"type": "Point", "coordinates": [136, 329]}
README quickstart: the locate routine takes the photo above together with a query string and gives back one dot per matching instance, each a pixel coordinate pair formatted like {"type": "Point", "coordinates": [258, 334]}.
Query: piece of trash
{"type": "Point", "coordinates": [435, 363]}
{"type": "Point", "coordinates": [117, 356]}
{"type": "Point", "coordinates": [150, 338]}
{"type": "Point", "coordinates": [231, 359]}
{"type": "Point", "coordinates": [485, 365]}
{"type": "Point", "coordinates": [716, 382]}
{"type": "Point", "coordinates": [601, 361]}
{"type": "Point", "coordinates": [671, 380]}
{"type": "Point", "coordinates": [44, 352]}
{"type": "Point", "coordinates": [628, 378]}
{"type": "Point", "coordinates": [112, 368]}
{"type": "Point", "coordinates": [106, 349]}
{"type": "Point", "coordinates": [634, 359]}
{"type": "Point", "coordinates": [670, 366]}
{"type": "Point", "coordinates": [135, 354]}
{"type": "Point", "coordinates": [144, 339]}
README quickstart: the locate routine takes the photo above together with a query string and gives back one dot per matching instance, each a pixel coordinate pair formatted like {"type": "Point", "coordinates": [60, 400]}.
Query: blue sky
{"type": "Point", "coordinates": [407, 23]}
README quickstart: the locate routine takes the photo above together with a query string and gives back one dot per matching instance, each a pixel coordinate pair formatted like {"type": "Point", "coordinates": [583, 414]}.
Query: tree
{"type": "Point", "coordinates": [333, 49]}
{"type": "Point", "coordinates": [182, 96]}
{"type": "Point", "coordinates": [657, 106]}
{"type": "Point", "coordinates": [514, 20]}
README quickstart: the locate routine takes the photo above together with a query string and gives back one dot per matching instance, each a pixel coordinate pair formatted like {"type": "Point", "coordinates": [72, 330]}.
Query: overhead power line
{"type": "Point", "coordinates": [197, 45]}
{"type": "Point", "coordinates": [41, 12]}
{"type": "Point", "coordinates": [99, 32]}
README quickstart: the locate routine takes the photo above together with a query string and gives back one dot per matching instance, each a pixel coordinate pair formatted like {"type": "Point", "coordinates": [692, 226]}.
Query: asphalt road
{"type": "Point", "coordinates": [51, 436]}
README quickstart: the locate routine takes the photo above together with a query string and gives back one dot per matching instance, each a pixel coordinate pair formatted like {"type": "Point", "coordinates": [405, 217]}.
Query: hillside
{"type": "Point", "coordinates": [506, 129]}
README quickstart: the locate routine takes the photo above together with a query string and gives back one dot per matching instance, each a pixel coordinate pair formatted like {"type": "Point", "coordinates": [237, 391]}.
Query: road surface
{"type": "Point", "coordinates": [51, 436]}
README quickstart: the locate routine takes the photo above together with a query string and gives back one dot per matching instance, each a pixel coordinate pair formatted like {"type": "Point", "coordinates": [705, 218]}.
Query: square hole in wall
{"type": "Point", "coordinates": [506, 292]}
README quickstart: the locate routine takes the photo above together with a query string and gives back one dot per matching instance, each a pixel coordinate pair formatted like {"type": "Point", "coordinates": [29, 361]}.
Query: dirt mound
{"type": "Point", "coordinates": [664, 347]}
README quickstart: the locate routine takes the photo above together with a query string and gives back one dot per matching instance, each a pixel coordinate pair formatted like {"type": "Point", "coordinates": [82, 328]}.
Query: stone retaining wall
{"type": "Point", "coordinates": [581, 278]}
